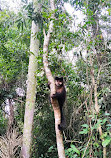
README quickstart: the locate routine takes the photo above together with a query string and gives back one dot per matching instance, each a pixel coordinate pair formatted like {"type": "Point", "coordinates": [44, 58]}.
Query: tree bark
{"type": "Point", "coordinates": [31, 91]}
{"type": "Point", "coordinates": [96, 103]}
{"type": "Point", "coordinates": [10, 117]}
{"type": "Point", "coordinates": [57, 115]}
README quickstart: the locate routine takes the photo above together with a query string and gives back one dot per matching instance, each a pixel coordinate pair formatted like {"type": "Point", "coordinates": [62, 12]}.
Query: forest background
{"type": "Point", "coordinates": [78, 51]}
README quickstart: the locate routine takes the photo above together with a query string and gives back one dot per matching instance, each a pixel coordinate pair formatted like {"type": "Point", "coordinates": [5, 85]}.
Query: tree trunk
{"type": "Point", "coordinates": [59, 136]}
{"type": "Point", "coordinates": [96, 103]}
{"type": "Point", "coordinates": [31, 92]}
{"type": "Point", "coordinates": [10, 117]}
{"type": "Point", "coordinates": [98, 49]}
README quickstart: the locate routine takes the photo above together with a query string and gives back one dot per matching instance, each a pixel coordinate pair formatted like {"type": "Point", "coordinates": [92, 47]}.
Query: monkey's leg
{"type": "Point", "coordinates": [62, 125]}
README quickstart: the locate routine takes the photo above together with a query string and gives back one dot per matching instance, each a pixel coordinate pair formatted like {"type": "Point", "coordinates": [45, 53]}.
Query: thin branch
{"type": "Point", "coordinates": [44, 33]}
{"type": "Point", "coordinates": [70, 141]}
{"type": "Point", "coordinates": [19, 100]}
{"type": "Point", "coordinates": [87, 146]}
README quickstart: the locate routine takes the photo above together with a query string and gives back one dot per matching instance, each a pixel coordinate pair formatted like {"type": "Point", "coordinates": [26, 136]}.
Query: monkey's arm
{"type": "Point", "coordinates": [59, 95]}
{"type": "Point", "coordinates": [56, 95]}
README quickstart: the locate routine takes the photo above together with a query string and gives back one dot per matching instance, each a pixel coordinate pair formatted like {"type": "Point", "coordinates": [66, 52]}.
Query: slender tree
{"type": "Point", "coordinates": [31, 89]}
{"type": "Point", "coordinates": [59, 137]}
{"type": "Point", "coordinates": [97, 109]}
{"type": "Point", "coordinates": [98, 50]}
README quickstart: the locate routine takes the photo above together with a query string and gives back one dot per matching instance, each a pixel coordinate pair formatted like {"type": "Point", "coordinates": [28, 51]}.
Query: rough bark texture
{"type": "Point", "coordinates": [31, 92]}
{"type": "Point", "coordinates": [59, 136]}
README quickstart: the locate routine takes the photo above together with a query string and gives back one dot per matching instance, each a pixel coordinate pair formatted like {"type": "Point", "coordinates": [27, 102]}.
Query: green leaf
{"type": "Point", "coordinates": [109, 125]}
{"type": "Point", "coordinates": [70, 150]}
{"type": "Point", "coordinates": [85, 125]}
{"type": "Point", "coordinates": [104, 121]}
{"type": "Point", "coordinates": [75, 156]}
{"type": "Point", "coordinates": [104, 134]}
{"type": "Point", "coordinates": [109, 11]}
{"type": "Point", "coordinates": [75, 149]}
{"type": "Point", "coordinates": [85, 131]}
{"type": "Point", "coordinates": [106, 142]}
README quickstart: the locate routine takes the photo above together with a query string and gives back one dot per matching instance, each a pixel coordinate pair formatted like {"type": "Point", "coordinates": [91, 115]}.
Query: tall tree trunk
{"type": "Point", "coordinates": [59, 137]}
{"type": "Point", "coordinates": [31, 91]}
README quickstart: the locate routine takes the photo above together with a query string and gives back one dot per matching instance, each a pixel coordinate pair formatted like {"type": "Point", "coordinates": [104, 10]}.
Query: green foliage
{"type": "Point", "coordinates": [106, 141]}
{"type": "Point", "coordinates": [73, 152]}
{"type": "Point", "coordinates": [13, 63]}
{"type": "Point", "coordinates": [82, 120]}
{"type": "Point", "coordinates": [12, 44]}
{"type": "Point", "coordinates": [85, 129]}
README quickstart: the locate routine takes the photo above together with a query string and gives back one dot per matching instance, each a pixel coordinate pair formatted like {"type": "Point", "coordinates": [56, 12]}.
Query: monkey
{"type": "Point", "coordinates": [60, 95]}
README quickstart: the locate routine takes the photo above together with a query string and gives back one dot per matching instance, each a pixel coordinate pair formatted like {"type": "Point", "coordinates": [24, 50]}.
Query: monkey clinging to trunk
{"type": "Point", "coordinates": [60, 95]}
